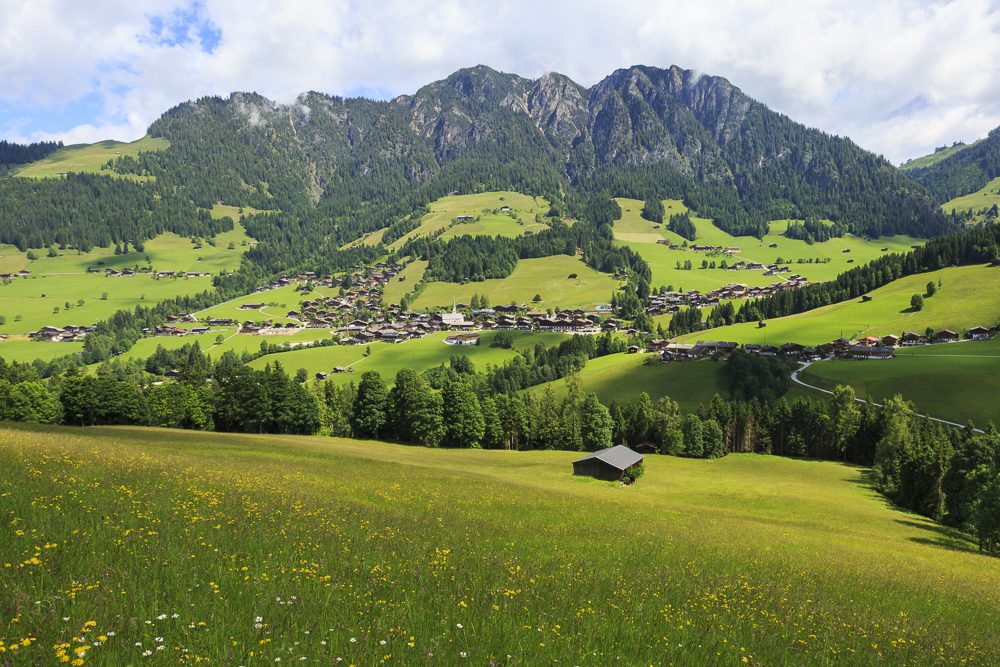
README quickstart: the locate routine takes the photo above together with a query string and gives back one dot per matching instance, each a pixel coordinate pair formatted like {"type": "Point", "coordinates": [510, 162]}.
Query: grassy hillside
{"type": "Point", "coordinates": [985, 198]}
{"type": "Point", "coordinates": [957, 382]}
{"type": "Point", "coordinates": [20, 348]}
{"type": "Point", "coordinates": [545, 276]}
{"type": "Point", "coordinates": [935, 157]}
{"type": "Point", "coordinates": [89, 158]}
{"type": "Point", "coordinates": [56, 281]}
{"type": "Point", "coordinates": [397, 288]}
{"type": "Point", "coordinates": [843, 253]}
{"type": "Point", "coordinates": [387, 359]}
{"type": "Point", "coordinates": [969, 296]}
{"type": "Point", "coordinates": [622, 377]}
{"type": "Point", "coordinates": [244, 549]}
{"type": "Point", "coordinates": [441, 219]}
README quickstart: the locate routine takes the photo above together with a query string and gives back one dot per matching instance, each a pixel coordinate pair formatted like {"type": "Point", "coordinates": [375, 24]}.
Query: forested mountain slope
{"type": "Point", "coordinates": [963, 171]}
{"type": "Point", "coordinates": [641, 131]}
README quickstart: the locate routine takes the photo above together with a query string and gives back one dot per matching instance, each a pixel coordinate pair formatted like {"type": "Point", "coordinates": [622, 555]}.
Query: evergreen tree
{"type": "Point", "coordinates": [595, 424]}
{"type": "Point", "coordinates": [370, 417]}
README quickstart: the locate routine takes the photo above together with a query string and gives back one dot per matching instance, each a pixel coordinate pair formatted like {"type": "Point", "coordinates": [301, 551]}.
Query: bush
{"type": "Point", "coordinates": [630, 476]}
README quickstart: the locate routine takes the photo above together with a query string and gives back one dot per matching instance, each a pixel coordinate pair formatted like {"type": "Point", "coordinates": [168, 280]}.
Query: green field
{"type": "Point", "coordinates": [249, 549]}
{"type": "Point", "coordinates": [640, 235]}
{"type": "Point", "coordinates": [622, 377]}
{"type": "Point", "coordinates": [89, 158]}
{"type": "Point", "coordinates": [969, 296]}
{"type": "Point", "coordinates": [985, 198]}
{"type": "Point", "coordinates": [277, 304]}
{"type": "Point", "coordinates": [397, 288]}
{"type": "Point", "coordinates": [389, 358]}
{"type": "Point", "coordinates": [444, 210]}
{"type": "Point", "coordinates": [34, 299]}
{"type": "Point", "coordinates": [21, 349]}
{"type": "Point", "coordinates": [545, 276]}
{"type": "Point", "coordinates": [956, 382]}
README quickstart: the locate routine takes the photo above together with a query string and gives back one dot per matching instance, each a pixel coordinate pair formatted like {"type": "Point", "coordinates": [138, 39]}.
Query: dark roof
{"type": "Point", "coordinates": [619, 457]}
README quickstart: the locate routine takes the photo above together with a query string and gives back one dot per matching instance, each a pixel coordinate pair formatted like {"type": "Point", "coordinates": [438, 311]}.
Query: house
{"type": "Point", "coordinates": [864, 352]}
{"type": "Point", "coordinates": [947, 336]}
{"type": "Point", "coordinates": [979, 333]}
{"type": "Point", "coordinates": [608, 464]}
{"type": "Point", "coordinates": [911, 338]}
{"type": "Point", "coordinates": [890, 340]}
{"type": "Point", "coordinates": [462, 339]}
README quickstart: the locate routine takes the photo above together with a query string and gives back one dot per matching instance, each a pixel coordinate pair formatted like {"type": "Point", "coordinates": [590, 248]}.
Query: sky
{"type": "Point", "coordinates": [900, 77]}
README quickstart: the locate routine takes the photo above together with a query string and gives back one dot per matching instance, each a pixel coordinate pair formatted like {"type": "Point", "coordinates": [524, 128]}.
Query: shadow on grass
{"type": "Point", "coordinates": [937, 535]}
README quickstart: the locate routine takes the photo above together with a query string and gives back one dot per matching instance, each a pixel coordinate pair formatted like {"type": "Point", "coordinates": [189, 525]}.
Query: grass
{"type": "Point", "coordinates": [64, 279]}
{"type": "Point", "coordinates": [247, 549]}
{"type": "Point", "coordinates": [969, 296]}
{"type": "Point", "coordinates": [277, 304]}
{"type": "Point", "coordinates": [640, 235]}
{"type": "Point", "coordinates": [389, 358]}
{"type": "Point", "coordinates": [956, 382]}
{"type": "Point", "coordinates": [623, 377]}
{"type": "Point", "coordinates": [234, 212]}
{"type": "Point", "coordinates": [397, 288]}
{"type": "Point", "coordinates": [444, 210]}
{"type": "Point", "coordinates": [20, 348]}
{"type": "Point", "coordinates": [89, 158]}
{"type": "Point", "coordinates": [935, 157]}
{"type": "Point", "coordinates": [35, 298]}
{"type": "Point", "coordinates": [546, 276]}
{"type": "Point", "coordinates": [977, 201]}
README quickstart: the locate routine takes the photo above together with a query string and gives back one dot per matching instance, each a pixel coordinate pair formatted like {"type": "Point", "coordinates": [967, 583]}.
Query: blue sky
{"type": "Point", "coordinates": [898, 76]}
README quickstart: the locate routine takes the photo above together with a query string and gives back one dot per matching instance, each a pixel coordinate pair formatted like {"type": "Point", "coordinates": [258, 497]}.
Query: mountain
{"type": "Point", "coordinates": [641, 131]}
{"type": "Point", "coordinates": [961, 172]}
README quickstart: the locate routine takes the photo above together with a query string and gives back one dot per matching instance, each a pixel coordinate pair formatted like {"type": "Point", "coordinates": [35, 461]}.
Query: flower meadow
{"type": "Point", "coordinates": [131, 546]}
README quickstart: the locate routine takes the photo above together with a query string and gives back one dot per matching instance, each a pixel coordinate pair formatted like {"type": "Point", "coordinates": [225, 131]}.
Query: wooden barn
{"type": "Point", "coordinates": [609, 464]}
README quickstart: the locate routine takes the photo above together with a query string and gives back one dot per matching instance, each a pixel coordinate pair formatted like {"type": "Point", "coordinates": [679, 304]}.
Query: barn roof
{"type": "Point", "coordinates": [619, 457]}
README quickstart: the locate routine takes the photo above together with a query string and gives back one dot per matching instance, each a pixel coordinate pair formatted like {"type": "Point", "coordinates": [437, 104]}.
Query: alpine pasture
{"type": "Point", "coordinates": [89, 158]}
{"type": "Point", "coordinates": [127, 544]}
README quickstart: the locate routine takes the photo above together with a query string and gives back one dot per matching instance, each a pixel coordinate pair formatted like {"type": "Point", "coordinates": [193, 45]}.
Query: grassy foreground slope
{"type": "Point", "coordinates": [968, 296]}
{"type": "Point", "coordinates": [89, 158]}
{"type": "Point", "coordinates": [246, 550]}
{"type": "Point", "coordinates": [957, 382]}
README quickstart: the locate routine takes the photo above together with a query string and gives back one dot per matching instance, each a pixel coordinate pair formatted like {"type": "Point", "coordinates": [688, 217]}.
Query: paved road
{"type": "Point", "coordinates": [807, 364]}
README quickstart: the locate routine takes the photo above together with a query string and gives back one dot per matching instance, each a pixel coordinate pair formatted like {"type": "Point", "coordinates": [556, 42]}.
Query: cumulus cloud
{"type": "Point", "coordinates": [898, 76]}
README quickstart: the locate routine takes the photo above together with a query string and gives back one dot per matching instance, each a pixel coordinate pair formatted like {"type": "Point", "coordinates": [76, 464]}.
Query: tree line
{"type": "Point", "coordinates": [14, 153]}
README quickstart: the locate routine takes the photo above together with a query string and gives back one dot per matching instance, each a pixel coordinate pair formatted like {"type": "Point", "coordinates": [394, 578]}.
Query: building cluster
{"type": "Point", "coordinates": [70, 333]}
{"type": "Point", "coordinates": [23, 273]}
{"type": "Point", "coordinates": [671, 302]}
{"type": "Point", "coordinates": [868, 347]}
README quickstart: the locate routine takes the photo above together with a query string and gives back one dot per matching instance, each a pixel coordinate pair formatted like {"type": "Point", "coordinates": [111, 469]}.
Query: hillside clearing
{"type": "Point", "coordinates": [89, 158]}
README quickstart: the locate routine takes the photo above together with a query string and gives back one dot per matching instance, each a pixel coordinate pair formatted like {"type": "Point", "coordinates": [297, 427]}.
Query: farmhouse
{"type": "Point", "coordinates": [979, 333]}
{"type": "Point", "coordinates": [947, 335]}
{"type": "Point", "coordinates": [608, 464]}
{"type": "Point", "coordinates": [870, 352]}
{"type": "Point", "coordinates": [462, 339]}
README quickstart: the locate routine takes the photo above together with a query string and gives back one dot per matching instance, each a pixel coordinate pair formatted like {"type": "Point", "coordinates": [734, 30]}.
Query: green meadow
{"type": "Point", "coordinates": [389, 358]}
{"type": "Point", "coordinates": [277, 303]}
{"type": "Point", "coordinates": [548, 277]}
{"type": "Point", "coordinates": [950, 381]}
{"type": "Point", "coordinates": [30, 303]}
{"type": "Point", "coordinates": [37, 301]}
{"type": "Point", "coordinates": [968, 296]}
{"type": "Point", "coordinates": [89, 158]}
{"type": "Point", "coordinates": [935, 157]}
{"type": "Point", "coordinates": [642, 235]}
{"type": "Point", "coordinates": [397, 287]}
{"type": "Point", "coordinates": [20, 348]}
{"type": "Point", "coordinates": [239, 549]}
{"type": "Point", "coordinates": [443, 211]}
{"type": "Point", "coordinates": [623, 377]}
{"type": "Point", "coordinates": [984, 198]}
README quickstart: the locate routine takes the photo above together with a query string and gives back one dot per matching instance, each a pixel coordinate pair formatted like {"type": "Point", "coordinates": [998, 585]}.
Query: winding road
{"type": "Point", "coordinates": [806, 364]}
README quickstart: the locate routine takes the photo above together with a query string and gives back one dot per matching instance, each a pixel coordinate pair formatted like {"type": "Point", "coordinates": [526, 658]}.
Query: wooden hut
{"type": "Point", "coordinates": [609, 464]}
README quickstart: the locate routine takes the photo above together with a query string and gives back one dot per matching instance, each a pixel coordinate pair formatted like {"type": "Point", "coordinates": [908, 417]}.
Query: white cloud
{"type": "Point", "coordinates": [898, 76]}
